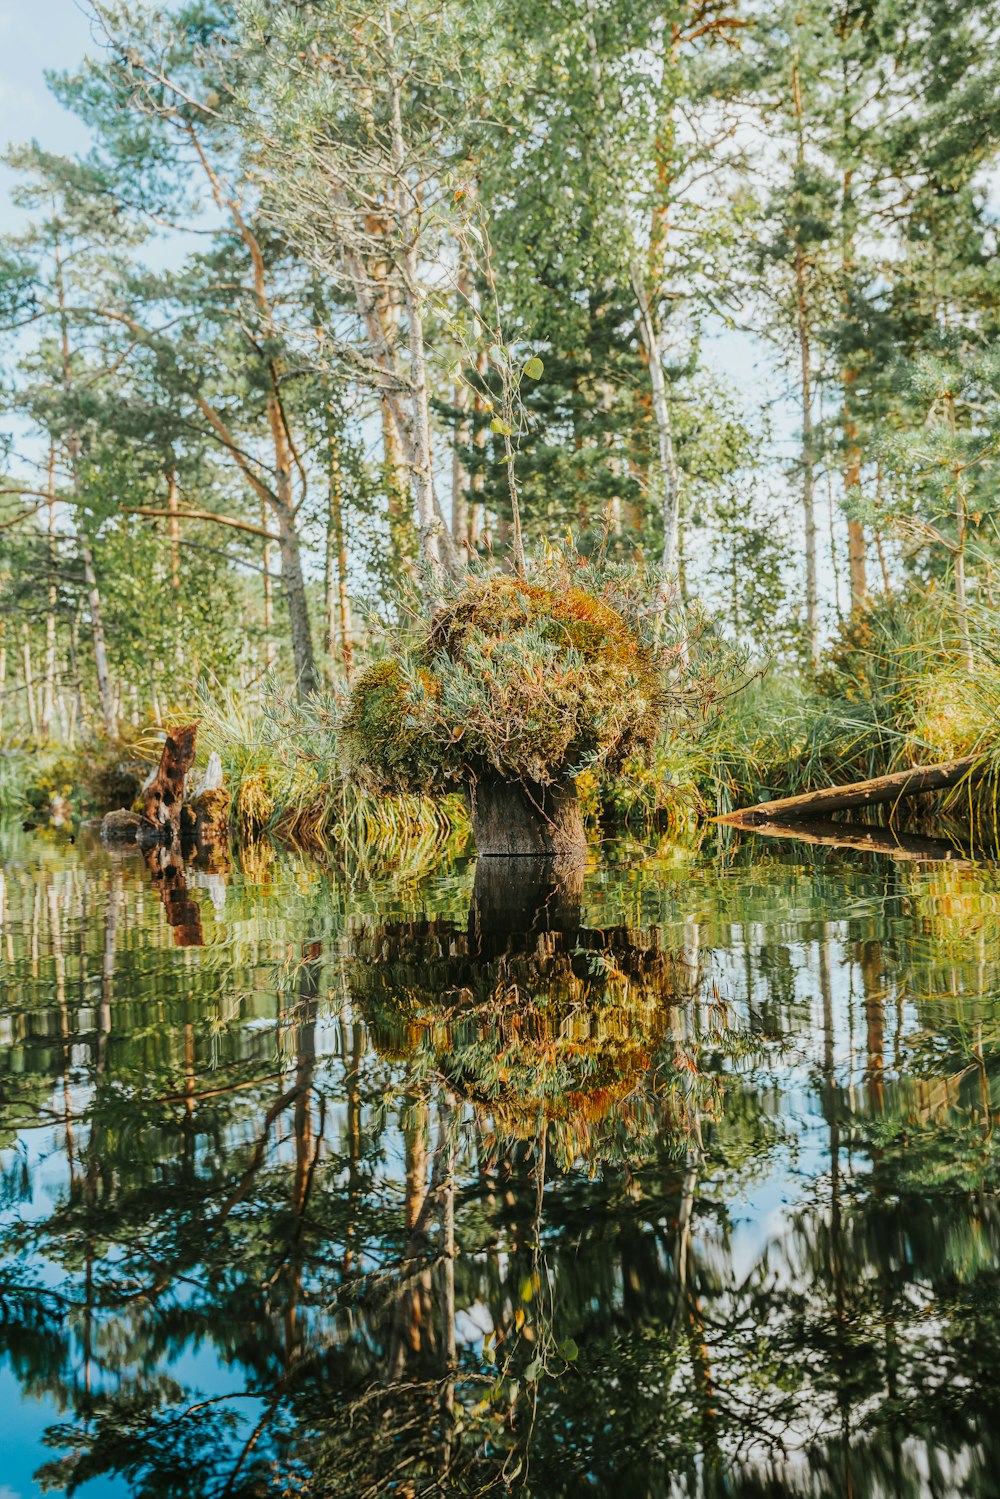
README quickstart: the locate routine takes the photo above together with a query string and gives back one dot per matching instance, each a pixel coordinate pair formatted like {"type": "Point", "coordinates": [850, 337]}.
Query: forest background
{"type": "Point", "coordinates": [295, 300]}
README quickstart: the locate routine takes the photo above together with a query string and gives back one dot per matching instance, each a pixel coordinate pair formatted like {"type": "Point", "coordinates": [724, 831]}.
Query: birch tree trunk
{"type": "Point", "coordinates": [436, 547]}
{"type": "Point", "coordinates": [856, 558]}
{"type": "Point", "coordinates": [282, 504]}
{"type": "Point", "coordinates": [459, 473]}
{"type": "Point", "coordinates": [338, 601]}
{"type": "Point", "coordinates": [294, 589]}
{"type": "Point", "coordinates": [49, 689]}
{"type": "Point", "coordinates": [29, 683]}
{"type": "Point", "coordinates": [669, 473]}
{"type": "Point", "coordinates": [805, 362]}
{"type": "Point", "coordinates": [105, 695]}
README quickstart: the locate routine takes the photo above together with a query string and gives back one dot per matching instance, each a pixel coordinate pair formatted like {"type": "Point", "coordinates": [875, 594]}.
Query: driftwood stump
{"type": "Point", "coordinates": [517, 818]}
{"type": "Point", "coordinates": [206, 812]}
{"type": "Point", "coordinates": [163, 796]}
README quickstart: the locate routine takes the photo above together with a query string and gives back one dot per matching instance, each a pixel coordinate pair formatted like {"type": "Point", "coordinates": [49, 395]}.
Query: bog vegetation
{"type": "Point", "coordinates": [423, 391]}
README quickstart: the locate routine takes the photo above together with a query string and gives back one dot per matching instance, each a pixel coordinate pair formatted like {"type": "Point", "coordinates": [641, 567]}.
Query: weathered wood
{"type": "Point", "coordinates": [510, 818]}
{"type": "Point", "coordinates": [206, 811]}
{"type": "Point", "coordinates": [867, 840]}
{"type": "Point", "coordinates": [163, 796]}
{"type": "Point", "coordinates": [891, 788]}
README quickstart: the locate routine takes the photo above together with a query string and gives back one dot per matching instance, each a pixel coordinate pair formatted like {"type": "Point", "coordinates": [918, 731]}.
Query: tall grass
{"type": "Point", "coordinates": [282, 768]}
{"type": "Point", "coordinates": [15, 778]}
{"type": "Point", "coordinates": [894, 690]}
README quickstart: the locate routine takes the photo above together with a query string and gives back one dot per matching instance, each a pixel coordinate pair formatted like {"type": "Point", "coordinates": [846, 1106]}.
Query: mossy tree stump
{"type": "Point", "coordinates": [519, 818]}
{"type": "Point", "coordinates": [517, 685]}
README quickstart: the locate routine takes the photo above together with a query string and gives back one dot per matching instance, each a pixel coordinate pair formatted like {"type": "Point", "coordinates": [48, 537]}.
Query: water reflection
{"type": "Point", "coordinates": [676, 1178]}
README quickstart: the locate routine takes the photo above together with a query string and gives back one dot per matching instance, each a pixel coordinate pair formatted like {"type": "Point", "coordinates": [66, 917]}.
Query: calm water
{"type": "Point", "coordinates": [679, 1180]}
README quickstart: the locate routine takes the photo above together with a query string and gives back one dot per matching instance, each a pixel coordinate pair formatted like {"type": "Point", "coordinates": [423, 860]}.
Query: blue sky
{"type": "Point", "coordinates": [35, 35]}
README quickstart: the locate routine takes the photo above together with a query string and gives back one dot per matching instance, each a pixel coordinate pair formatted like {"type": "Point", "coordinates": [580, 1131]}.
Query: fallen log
{"type": "Point", "coordinates": [892, 788]}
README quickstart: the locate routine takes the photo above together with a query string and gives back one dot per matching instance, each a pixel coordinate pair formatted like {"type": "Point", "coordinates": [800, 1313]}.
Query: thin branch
{"type": "Point", "coordinates": [209, 515]}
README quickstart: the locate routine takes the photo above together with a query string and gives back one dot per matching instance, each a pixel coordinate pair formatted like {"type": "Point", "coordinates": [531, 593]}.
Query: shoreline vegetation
{"type": "Point", "coordinates": [892, 692]}
{"type": "Point", "coordinates": [371, 381]}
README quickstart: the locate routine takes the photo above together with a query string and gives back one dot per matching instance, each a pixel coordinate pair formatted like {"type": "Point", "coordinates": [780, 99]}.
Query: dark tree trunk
{"type": "Point", "coordinates": [512, 817]}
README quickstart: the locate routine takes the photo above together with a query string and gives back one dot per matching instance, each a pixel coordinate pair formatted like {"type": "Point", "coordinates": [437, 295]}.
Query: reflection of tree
{"type": "Point", "coordinates": [368, 1192]}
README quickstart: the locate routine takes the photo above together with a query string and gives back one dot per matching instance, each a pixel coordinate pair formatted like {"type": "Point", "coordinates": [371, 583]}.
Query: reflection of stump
{"type": "Point", "coordinates": [511, 817]}
{"type": "Point", "coordinates": [515, 896]}
{"type": "Point", "coordinates": [166, 865]}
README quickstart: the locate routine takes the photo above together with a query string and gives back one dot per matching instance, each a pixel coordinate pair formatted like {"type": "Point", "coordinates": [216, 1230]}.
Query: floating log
{"type": "Point", "coordinates": [893, 788]}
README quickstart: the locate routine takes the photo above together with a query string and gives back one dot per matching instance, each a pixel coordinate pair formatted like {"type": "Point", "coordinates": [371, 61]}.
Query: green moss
{"type": "Point", "coordinates": [526, 680]}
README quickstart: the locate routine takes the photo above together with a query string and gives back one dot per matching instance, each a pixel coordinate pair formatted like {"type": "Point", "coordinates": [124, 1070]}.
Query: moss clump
{"type": "Point", "coordinates": [526, 680]}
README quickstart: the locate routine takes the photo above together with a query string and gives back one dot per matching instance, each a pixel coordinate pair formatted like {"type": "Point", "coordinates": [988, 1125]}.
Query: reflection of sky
{"type": "Point", "coordinates": [24, 1423]}
{"type": "Point", "coordinates": [771, 965]}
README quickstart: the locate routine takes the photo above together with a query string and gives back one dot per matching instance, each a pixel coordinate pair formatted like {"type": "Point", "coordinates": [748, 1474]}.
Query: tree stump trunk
{"type": "Point", "coordinates": [163, 796]}
{"type": "Point", "coordinates": [511, 817]}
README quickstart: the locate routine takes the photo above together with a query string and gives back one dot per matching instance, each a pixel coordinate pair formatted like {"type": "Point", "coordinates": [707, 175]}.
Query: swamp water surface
{"type": "Point", "coordinates": [679, 1179]}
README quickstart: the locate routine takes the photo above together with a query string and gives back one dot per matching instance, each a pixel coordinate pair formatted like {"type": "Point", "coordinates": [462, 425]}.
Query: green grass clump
{"type": "Point", "coordinates": [894, 690]}
{"type": "Point", "coordinates": [15, 778]}
{"type": "Point", "coordinates": [281, 766]}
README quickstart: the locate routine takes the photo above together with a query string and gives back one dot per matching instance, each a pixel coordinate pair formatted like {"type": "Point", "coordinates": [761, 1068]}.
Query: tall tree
{"type": "Point", "coordinates": [214, 326]}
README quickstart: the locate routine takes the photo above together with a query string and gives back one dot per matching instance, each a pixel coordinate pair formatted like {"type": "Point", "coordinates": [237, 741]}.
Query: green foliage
{"type": "Point", "coordinates": [281, 765]}
{"type": "Point", "coordinates": [15, 777]}
{"type": "Point", "coordinates": [531, 680]}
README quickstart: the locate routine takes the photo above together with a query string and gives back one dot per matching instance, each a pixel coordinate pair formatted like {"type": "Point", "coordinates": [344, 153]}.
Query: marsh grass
{"type": "Point", "coordinates": [894, 690]}
{"type": "Point", "coordinates": [282, 767]}
{"type": "Point", "coordinates": [16, 768]}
